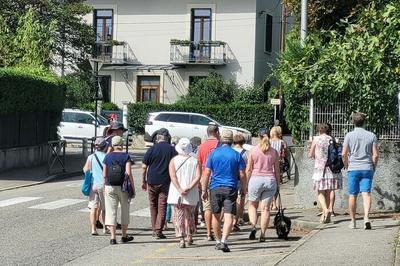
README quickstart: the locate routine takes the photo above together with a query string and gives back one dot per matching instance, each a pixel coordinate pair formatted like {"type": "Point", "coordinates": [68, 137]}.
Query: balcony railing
{"type": "Point", "coordinates": [114, 52]}
{"type": "Point", "coordinates": [198, 53]}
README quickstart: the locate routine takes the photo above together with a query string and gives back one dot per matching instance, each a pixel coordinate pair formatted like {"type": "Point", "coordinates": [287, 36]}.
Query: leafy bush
{"type": "Point", "coordinates": [79, 90]}
{"type": "Point", "coordinates": [248, 116]}
{"type": "Point", "coordinates": [109, 107]}
{"type": "Point", "coordinates": [25, 90]}
{"type": "Point", "coordinates": [250, 94]}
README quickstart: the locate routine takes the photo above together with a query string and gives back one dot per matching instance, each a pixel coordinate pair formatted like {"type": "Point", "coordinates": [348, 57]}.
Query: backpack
{"type": "Point", "coordinates": [113, 174]}
{"type": "Point", "coordinates": [334, 161]}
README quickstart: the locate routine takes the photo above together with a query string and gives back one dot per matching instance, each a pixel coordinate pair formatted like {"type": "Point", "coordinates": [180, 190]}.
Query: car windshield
{"type": "Point", "coordinates": [102, 120]}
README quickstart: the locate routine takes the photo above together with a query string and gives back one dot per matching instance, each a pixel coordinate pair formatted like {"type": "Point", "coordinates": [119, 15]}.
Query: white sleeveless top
{"type": "Point", "coordinates": [185, 175]}
{"type": "Point", "coordinates": [276, 144]}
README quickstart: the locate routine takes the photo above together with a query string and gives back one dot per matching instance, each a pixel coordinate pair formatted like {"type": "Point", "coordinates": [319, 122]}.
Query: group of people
{"type": "Point", "coordinates": [360, 158]}
{"type": "Point", "coordinates": [214, 177]}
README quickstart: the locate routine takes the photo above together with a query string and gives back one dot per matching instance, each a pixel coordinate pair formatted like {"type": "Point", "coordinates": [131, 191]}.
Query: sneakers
{"type": "Point", "coordinates": [99, 225]}
{"type": "Point", "coordinates": [352, 224]}
{"type": "Point", "coordinates": [160, 236]}
{"type": "Point", "coordinates": [219, 246]}
{"type": "Point", "coordinates": [113, 242]}
{"type": "Point", "coordinates": [252, 235]}
{"type": "Point", "coordinates": [224, 247]}
{"type": "Point", "coordinates": [126, 239]}
{"type": "Point", "coordinates": [367, 225]}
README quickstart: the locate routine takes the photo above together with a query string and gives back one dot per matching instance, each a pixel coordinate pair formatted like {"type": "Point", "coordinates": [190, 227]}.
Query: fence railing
{"type": "Point", "coordinates": [205, 52]}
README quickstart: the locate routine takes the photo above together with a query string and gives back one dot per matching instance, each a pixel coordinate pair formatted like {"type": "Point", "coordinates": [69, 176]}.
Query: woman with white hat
{"type": "Point", "coordinates": [183, 192]}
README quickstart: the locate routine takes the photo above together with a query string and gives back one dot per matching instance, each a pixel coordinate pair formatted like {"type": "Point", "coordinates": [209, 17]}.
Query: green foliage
{"type": "Point", "coordinates": [210, 90]}
{"type": "Point", "coordinates": [249, 116]}
{"type": "Point", "coordinates": [79, 90]}
{"type": "Point", "coordinates": [250, 94]}
{"type": "Point", "coordinates": [363, 64]}
{"type": "Point", "coordinates": [25, 90]}
{"type": "Point", "coordinates": [58, 26]}
{"type": "Point", "coordinates": [109, 107]}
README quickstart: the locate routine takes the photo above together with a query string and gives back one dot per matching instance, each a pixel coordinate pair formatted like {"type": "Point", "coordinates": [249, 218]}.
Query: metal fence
{"type": "Point", "coordinates": [24, 129]}
{"type": "Point", "coordinates": [337, 114]}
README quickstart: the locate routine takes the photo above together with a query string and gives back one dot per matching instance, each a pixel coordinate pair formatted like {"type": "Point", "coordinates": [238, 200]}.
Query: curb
{"type": "Point", "coordinates": [307, 225]}
{"type": "Point", "coordinates": [46, 180]}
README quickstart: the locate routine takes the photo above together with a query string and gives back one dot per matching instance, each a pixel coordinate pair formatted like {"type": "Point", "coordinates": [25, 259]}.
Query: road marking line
{"type": "Point", "coordinates": [199, 258]}
{"type": "Point", "coordinates": [84, 210]}
{"type": "Point", "coordinates": [17, 200]}
{"type": "Point", "coordinates": [142, 213]}
{"type": "Point", "coordinates": [74, 184]}
{"type": "Point", "coordinates": [57, 204]}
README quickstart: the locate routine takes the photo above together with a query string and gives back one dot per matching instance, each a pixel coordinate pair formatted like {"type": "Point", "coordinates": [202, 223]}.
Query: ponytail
{"type": "Point", "coordinates": [264, 143]}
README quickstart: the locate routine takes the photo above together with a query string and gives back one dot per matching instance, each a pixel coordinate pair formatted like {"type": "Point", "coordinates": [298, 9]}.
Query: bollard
{"type": "Point", "coordinates": [84, 148]}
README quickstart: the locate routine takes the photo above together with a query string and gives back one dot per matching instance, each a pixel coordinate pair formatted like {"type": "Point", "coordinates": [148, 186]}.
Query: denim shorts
{"type": "Point", "coordinates": [359, 181]}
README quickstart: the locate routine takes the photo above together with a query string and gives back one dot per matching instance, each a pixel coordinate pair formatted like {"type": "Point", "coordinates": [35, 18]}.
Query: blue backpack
{"type": "Point", "coordinates": [334, 161]}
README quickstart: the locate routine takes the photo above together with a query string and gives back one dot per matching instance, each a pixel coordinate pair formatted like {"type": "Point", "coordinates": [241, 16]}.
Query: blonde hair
{"type": "Point", "coordinates": [264, 143]}
{"type": "Point", "coordinates": [276, 131]}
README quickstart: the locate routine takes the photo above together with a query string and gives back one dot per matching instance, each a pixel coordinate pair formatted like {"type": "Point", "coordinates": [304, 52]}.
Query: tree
{"type": "Point", "coordinates": [72, 37]}
{"type": "Point", "coordinates": [362, 64]}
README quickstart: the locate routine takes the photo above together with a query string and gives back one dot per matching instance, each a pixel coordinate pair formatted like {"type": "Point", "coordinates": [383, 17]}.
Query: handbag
{"type": "Point", "coordinates": [87, 183]}
{"type": "Point", "coordinates": [127, 187]}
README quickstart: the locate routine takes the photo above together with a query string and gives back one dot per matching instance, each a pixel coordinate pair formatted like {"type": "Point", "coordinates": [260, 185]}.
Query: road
{"type": "Point", "coordinates": [48, 225]}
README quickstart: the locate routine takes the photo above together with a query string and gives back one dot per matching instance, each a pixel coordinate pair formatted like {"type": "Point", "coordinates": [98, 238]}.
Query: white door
{"type": "Point", "coordinates": [67, 125]}
{"type": "Point", "coordinates": [179, 125]}
{"type": "Point", "coordinates": [200, 124]}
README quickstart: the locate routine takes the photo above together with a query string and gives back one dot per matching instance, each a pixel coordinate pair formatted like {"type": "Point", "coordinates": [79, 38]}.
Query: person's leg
{"type": "Point", "coordinates": [153, 204]}
{"type": "Point", "coordinates": [111, 205]}
{"type": "Point", "coordinates": [365, 188]}
{"type": "Point", "coordinates": [332, 197]}
{"type": "Point", "coordinates": [208, 217]}
{"type": "Point", "coordinates": [229, 202]}
{"type": "Point", "coordinates": [322, 202]}
{"type": "Point", "coordinates": [93, 219]}
{"type": "Point", "coordinates": [353, 190]}
{"type": "Point", "coordinates": [190, 222]}
{"type": "Point", "coordinates": [227, 228]}
{"type": "Point", "coordinates": [216, 225]}
{"type": "Point", "coordinates": [179, 221]}
{"type": "Point", "coordinates": [253, 206]}
{"type": "Point", "coordinates": [367, 204]}
{"type": "Point", "coordinates": [216, 206]}
{"type": "Point", "coordinates": [162, 205]}
{"type": "Point", "coordinates": [123, 196]}
{"type": "Point", "coordinates": [265, 216]}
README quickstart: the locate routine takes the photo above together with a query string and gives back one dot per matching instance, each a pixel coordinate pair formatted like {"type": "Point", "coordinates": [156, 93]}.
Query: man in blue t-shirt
{"type": "Point", "coordinates": [156, 179]}
{"type": "Point", "coordinates": [226, 165]}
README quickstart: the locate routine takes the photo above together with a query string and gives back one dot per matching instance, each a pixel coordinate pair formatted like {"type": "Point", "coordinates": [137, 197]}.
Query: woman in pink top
{"type": "Point", "coordinates": [264, 177]}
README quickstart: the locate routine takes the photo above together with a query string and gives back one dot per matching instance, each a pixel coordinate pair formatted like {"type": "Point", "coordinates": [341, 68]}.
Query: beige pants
{"type": "Point", "coordinates": [113, 196]}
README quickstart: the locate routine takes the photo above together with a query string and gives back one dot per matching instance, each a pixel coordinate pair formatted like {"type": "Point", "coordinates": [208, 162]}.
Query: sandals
{"type": "Point", "coordinates": [210, 238]}
{"type": "Point", "coordinates": [262, 238]}
{"type": "Point", "coordinates": [189, 240]}
{"type": "Point", "coordinates": [182, 244]}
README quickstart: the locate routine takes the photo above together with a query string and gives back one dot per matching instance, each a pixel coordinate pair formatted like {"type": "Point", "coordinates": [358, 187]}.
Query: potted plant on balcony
{"type": "Point", "coordinates": [180, 42]}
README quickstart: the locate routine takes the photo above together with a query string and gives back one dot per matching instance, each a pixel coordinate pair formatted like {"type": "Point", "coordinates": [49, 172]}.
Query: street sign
{"type": "Point", "coordinates": [275, 101]}
{"type": "Point", "coordinates": [99, 62]}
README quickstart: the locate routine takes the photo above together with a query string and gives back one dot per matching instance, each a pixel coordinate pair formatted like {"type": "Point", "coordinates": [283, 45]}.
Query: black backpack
{"type": "Point", "coordinates": [334, 161]}
{"type": "Point", "coordinates": [114, 174]}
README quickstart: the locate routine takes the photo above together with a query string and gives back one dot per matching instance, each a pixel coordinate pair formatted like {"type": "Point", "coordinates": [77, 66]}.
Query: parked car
{"type": "Point", "coordinates": [183, 124]}
{"type": "Point", "coordinates": [80, 124]}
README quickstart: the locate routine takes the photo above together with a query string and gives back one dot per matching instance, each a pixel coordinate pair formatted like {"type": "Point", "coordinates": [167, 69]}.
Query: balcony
{"type": "Point", "coordinates": [115, 53]}
{"type": "Point", "coordinates": [185, 52]}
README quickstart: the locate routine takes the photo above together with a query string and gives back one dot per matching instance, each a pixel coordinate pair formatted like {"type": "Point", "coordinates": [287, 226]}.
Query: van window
{"type": "Point", "coordinates": [162, 117]}
{"type": "Point", "coordinates": [200, 120]}
{"type": "Point", "coordinates": [179, 118]}
{"type": "Point", "coordinates": [84, 118]}
{"type": "Point", "coordinates": [68, 117]}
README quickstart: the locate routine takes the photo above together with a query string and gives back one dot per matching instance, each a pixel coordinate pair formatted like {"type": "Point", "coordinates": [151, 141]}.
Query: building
{"type": "Point", "coordinates": [152, 50]}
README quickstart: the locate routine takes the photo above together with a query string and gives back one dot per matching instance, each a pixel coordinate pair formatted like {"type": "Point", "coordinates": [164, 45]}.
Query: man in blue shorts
{"type": "Point", "coordinates": [360, 157]}
{"type": "Point", "coordinates": [226, 165]}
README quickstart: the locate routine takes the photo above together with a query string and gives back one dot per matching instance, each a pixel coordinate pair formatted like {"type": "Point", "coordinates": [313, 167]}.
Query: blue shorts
{"type": "Point", "coordinates": [359, 181]}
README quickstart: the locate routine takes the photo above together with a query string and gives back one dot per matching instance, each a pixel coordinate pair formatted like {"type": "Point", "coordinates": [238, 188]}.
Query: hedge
{"type": "Point", "coordinates": [250, 117]}
{"type": "Point", "coordinates": [32, 91]}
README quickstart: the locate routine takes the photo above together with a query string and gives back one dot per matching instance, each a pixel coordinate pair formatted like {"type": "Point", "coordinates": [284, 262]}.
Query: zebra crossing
{"type": "Point", "coordinates": [59, 204]}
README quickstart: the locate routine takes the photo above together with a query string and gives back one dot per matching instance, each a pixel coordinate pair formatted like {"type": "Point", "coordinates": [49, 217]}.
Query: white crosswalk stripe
{"type": "Point", "coordinates": [57, 204]}
{"type": "Point", "coordinates": [17, 200]}
{"type": "Point", "coordinates": [142, 213]}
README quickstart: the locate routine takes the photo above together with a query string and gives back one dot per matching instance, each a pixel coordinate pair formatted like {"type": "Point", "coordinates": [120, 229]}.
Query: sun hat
{"type": "Point", "coordinates": [226, 136]}
{"type": "Point", "coordinates": [117, 141]}
{"type": "Point", "coordinates": [184, 146]}
{"type": "Point", "coordinates": [100, 143]}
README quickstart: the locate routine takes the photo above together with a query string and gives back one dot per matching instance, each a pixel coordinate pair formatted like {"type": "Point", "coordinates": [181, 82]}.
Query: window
{"type": "Point", "coordinates": [103, 27]}
{"type": "Point", "coordinates": [200, 31]}
{"type": "Point", "coordinates": [268, 34]}
{"type": "Point", "coordinates": [200, 120]}
{"type": "Point", "coordinates": [105, 85]}
{"type": "Point", "coordinates": [162, 117]}
{"type": "Point", "coordinates": [84, 118]}
{"type": "Point", "coordinates": [148, 89]}
{"type": "Point", "coordinates": [68, 117]}
{"type": "Point", "coordinates": [179, 118]}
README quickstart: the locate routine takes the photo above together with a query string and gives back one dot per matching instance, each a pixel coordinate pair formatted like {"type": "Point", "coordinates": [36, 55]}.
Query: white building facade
{"type": "Point", "coordinates": [152, 50]}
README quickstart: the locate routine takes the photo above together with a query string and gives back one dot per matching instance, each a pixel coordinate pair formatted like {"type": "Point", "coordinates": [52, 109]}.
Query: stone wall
{"type": "Point", "coordinates": [386, 184]}
{"type": "Point", "coordinates": [23, 157]}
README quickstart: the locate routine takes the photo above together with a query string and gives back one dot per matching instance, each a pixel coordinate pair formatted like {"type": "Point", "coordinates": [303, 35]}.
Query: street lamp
{"type": "Point", "coordinates": [96, 65]}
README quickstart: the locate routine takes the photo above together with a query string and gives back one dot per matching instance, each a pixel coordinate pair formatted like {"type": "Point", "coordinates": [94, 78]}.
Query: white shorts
{"type": "Point", "coordinates": [262, 188]}
{"type": "Point", "coordinates": [96, 198]}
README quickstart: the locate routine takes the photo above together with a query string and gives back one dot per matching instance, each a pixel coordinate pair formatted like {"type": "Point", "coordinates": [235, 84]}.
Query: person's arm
{"type": "Point", "coordinates": [311, 153]}
{"type": "Point", "coordinates": [204, 184]}
{"type": "Point", "coordinates": [249, 167]}
{"type": "Point", "coordinates": [345, 153]}
{"type": "Point", "coordinates": [86, 167]}
{"type": "Point", "coordinates": [375, 155]}
{"type": "Point", "coordinates": [128, 169]}
{"type": "Point", "coordinates": [104, 174]}
{"type": "Point", "coordinates": [285, 148]}
{"type": "Point", "coordinates": [143, 172]}
{"type": "Point", "coordinates": [243, 182]}
{"type": "Point", "coordinates": [195, 181]}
